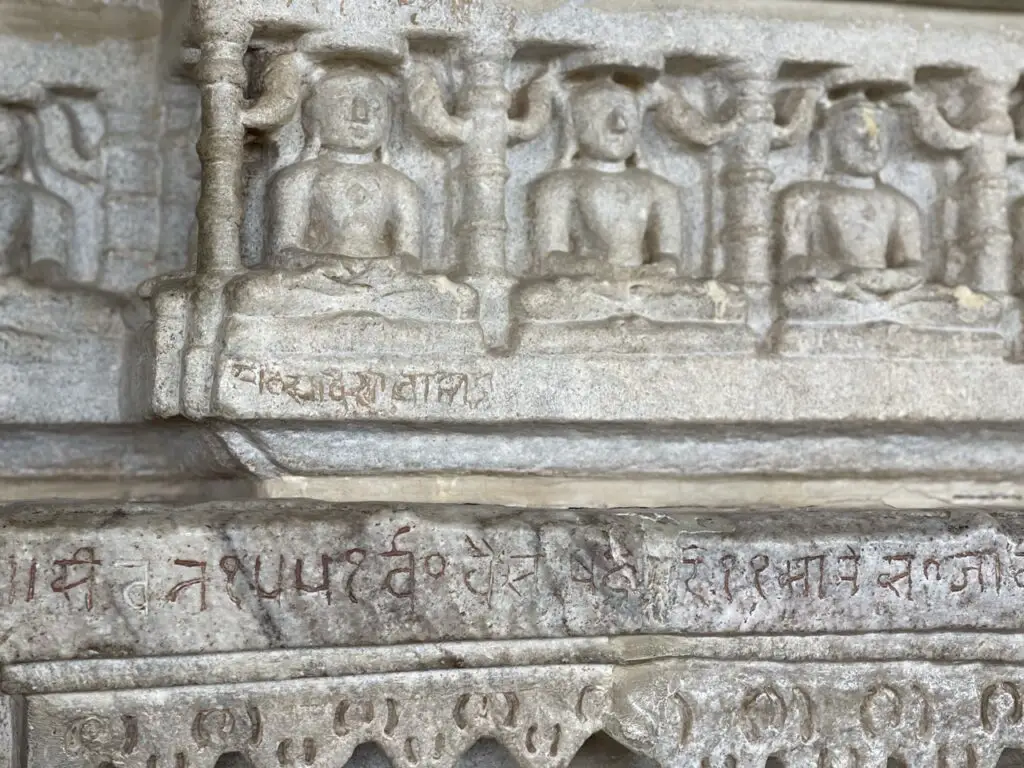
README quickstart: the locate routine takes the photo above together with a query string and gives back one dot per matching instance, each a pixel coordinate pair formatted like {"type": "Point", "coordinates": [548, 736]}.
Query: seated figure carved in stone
{"type": "Point", "coordinates": [607, 233]}
{"type": "Point", "coordinates": [345, 227]}
{"type": "Point", "coordinates": [602, 214]}
{"type": "Point", "coordinates": [852, 228]}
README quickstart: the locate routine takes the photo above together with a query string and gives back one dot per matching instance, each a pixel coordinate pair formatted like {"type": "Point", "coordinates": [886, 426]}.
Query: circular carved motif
{"type": "Point", "coordinates": [89, 734]}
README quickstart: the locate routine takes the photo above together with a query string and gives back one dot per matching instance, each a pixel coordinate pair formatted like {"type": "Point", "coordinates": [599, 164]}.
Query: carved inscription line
{"type": "Point", "coordinates": [369, 390]}
{"type": "Point", "coordinates": [409, 568]}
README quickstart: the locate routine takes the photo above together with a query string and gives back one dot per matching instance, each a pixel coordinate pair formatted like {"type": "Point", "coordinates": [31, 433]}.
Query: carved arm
{"type": "Point", "coordinates": [801, 121]}
{"type": "Point", "coordinates": [540, 97]}
{"type": "Point", "coordinates": [931, 127]}
{"type": "Point", "coordinates": [282, 87]}
{"type": "Point", "coordinates": [683, 121]}
{"type": "Point", "coordinates": [426, 105]}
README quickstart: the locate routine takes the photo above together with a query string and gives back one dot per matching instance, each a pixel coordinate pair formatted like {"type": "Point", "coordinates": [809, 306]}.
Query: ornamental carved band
{"type": "Point", "coordinates": [439, 211]}
{"type": "Point", "coordinates": [673, 712]}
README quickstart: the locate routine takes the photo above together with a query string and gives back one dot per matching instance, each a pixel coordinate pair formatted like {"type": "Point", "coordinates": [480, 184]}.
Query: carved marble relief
{"type": "Point", "coordinates": [483, 204]}
{"type": "Point", "coordinates": [80, 219]}
{"type": "Point", "coordinates": [52, 260]}
{"type": "Point", "coordinates": [687, 636]}
{"type": "Point", "coordinates": [672, 712]}
{"type": "Point", "coordinates": [853, 249]}
{"type": "Point", "coordinates": [609, 234]}
{"type": "Point", "coordinates": [345, 228]}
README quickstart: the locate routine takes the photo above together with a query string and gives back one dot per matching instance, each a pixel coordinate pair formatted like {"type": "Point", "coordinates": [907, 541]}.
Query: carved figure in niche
{"type": "Point", "coordinates": [343, 222]}
{"type": "Point", "coordinates": [35, 225]}
{"type": "Point", "coordinates": [608, 233]}
{"type": "Point", "coordinates": [344, 209]}
{"type": "Point", "coordinates": [602, 209]}
{"type": "Point", "coordinates": [851, 227]}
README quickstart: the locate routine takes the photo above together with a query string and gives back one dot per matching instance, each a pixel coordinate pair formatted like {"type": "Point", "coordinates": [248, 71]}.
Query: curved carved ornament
{"type": "Point", "coordinates": [674, 712]}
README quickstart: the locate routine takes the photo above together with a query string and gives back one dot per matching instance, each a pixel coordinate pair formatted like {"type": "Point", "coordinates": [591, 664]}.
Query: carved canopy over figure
{"type": "Point", "coordinates": [602, 209]}
{"type": "Point", "coordinates": [851, 227]}
{"type": "Point", "coordinates": [35, 225]}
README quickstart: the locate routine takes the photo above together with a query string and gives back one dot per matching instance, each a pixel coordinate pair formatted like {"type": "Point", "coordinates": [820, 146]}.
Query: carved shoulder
{"type": "Point", "coordinates": [289, 206]}
{"type": "Point", "coordinates": [905, 206]}
{"type": "Point", "coordinates": [661, 186]}
{"type": "Point", "coordinates": [295, 175]}
{"type": "Point", "coordinates": [402, 187]}
{"type": "Point", "coordinates": [556, 186]}
{"type": "Point", "coordinates": [801, 193]}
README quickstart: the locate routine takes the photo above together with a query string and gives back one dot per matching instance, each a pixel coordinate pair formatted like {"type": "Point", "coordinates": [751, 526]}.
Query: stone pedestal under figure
{"type": "Point", "coordinates": [345, 228]}
{"type": "Point", "coordinates": [851, 248]}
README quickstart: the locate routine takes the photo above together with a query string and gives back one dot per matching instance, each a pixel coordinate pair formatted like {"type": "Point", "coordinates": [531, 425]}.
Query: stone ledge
{"type": "Point", "coordinates": [113, 581]}
{"type": "Point", "coordinates": [673, 711]}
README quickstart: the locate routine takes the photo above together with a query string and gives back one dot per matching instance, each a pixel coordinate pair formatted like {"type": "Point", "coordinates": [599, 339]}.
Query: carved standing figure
{"type": "Point", "coordinates": [602, 209]}
{"type": "Point", "coordinates": [35, 225]}
{"type": "Point", "coordinates": [851, 227]}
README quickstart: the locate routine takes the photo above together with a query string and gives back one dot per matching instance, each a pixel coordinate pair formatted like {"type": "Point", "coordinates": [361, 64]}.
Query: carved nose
{"type": "Point", "coordinates": [617, 122]}
{"type": "Point", "coordinates": [360, 111]}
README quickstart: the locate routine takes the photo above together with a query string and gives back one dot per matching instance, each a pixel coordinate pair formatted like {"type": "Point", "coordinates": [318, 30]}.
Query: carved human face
{"type": "Point", "coordinates": [10, 141]}
{"type": "Point", "coordinates": [859, 138]}
{"type": "Point", "coordinates": [607, 120]}
{"type": "Point", "coordinates": [350, 111]}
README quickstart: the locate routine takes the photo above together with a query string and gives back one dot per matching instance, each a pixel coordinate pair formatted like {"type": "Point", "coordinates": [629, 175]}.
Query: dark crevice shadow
{"type": "Point", "coordinates": [233, 760]}
{"type": "Point", "coordinates": [602, 751]}
{"type": "Point", "coordinates": [487, 753]}
{"type": "Point", "coordinates": [774, 761]}
{"type": "Point", "coordinates": [368, 755]}
{"type": "Point", "coordinates": [1011, 758]}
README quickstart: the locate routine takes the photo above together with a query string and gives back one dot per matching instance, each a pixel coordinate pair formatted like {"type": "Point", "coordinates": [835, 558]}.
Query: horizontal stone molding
{"type": "Point", "coordinates": [240, 577]}
{"type": "Point", "coordinates": [676, 712]}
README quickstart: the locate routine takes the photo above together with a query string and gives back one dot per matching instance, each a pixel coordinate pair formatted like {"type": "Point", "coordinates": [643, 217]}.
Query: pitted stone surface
{"type": "Point", "coordinates": [765, 254]}
{"type": "Point", "coordinates": [250, 576]}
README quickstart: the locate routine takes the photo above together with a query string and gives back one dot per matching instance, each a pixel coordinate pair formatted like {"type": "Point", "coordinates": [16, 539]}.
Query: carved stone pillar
{"type": "Point", "coordinates": [484, 103]}
{"type": "Point", "coordinates": [748, 180]}
{"type": "Point", "coordinates": [987, 234]}
{"type": "Point", "coordinates": [221, 75]}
